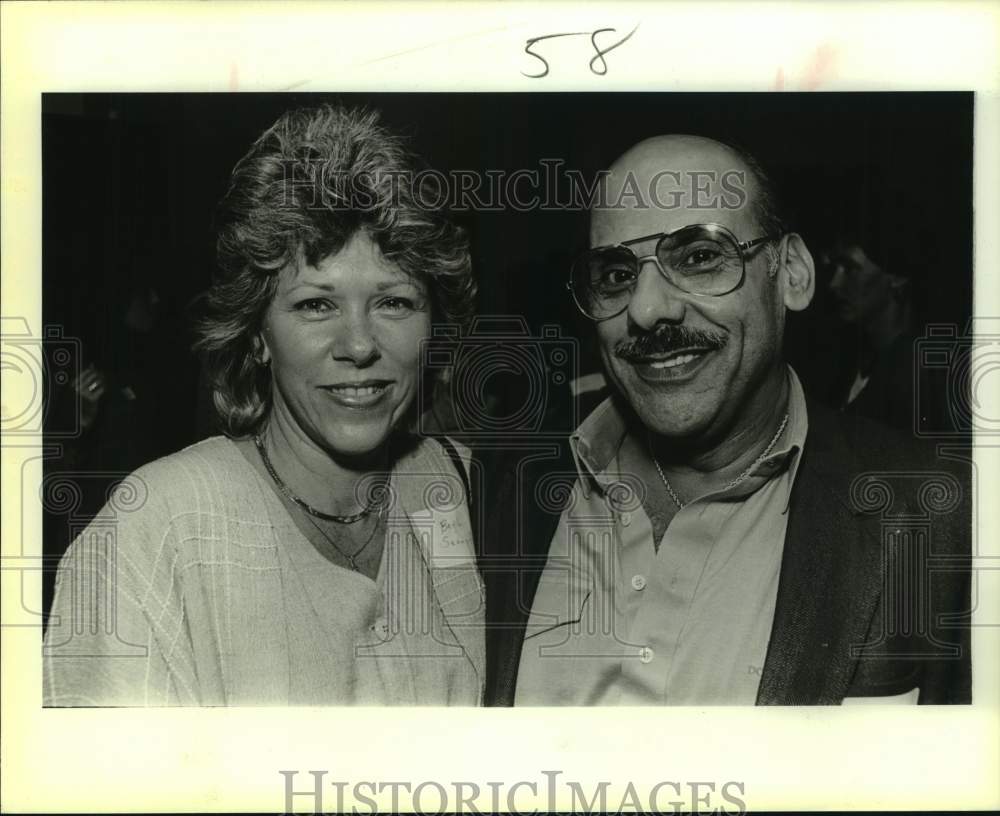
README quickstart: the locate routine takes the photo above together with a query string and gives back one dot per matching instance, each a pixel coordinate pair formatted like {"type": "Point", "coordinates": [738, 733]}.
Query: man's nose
{"type": "Point", "coordinates": [354, 338]}
{"type": "Point", "coordinates": [654, 299]}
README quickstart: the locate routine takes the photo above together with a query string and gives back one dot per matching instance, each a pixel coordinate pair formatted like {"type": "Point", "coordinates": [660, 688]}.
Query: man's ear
{"type": "Point", "coordinates": [798, 273]}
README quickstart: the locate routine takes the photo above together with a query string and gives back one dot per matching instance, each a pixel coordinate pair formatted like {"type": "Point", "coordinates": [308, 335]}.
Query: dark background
{"type": "Point", "coordinates": [131, 182]}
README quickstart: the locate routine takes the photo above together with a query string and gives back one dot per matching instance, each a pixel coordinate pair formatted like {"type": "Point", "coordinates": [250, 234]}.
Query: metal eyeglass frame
{"type": "Point", "coordinates": [742, 246]}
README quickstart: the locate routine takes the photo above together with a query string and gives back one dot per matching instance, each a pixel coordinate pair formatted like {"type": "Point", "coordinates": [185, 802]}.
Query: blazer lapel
{"type": "Point", "coordinates": [517, 536]}
{"type": "Point", "coordinates": [431, 504]}
{"type": "Point", "coordinates": [830, 578]}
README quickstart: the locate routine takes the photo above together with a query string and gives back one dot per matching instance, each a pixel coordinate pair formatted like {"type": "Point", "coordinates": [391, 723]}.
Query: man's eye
{"type": "Point", "coordinates": [701, 257]}
{"type": "Point", "coordinates": [617, 276]}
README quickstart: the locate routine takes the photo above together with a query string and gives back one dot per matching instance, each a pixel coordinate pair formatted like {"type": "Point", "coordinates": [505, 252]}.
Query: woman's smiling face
{"type": "Point", "coordinates": [343, 341]}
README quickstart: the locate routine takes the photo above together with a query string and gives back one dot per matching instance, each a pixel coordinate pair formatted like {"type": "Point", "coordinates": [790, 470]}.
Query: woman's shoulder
{"type": "Point", "coordinates": [436, 452]}
{"type": "Point", "coordinates": [164, 515]}
{"type": "Point", "coordinates": [211, 454]}
{"type": "Point", "coordinates": [436, 461]}
{"type": "Point", "coordinates": [194, 470]}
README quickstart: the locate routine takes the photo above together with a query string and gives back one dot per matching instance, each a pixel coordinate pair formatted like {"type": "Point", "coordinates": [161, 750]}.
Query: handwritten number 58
{"type": "Point", "coordinates": [598, 64]}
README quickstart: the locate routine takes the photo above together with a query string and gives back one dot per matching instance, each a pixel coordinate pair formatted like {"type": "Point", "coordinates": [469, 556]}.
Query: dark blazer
{"type": "Point", "coordinates": [873, 594]}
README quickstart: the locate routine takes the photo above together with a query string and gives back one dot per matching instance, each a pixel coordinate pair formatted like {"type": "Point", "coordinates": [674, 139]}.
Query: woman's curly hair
{"type": "Point", "coordinates": [310, 182]}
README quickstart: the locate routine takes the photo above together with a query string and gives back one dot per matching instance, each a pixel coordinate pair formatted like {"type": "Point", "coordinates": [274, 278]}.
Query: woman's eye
{"type": "Point", "coordinates": [313, 306]}
{"type": "Point", "coordinates": [398, 305]}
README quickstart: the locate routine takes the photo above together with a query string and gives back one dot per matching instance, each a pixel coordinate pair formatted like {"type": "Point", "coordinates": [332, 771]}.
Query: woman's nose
{"type": "Point", "coordinates": [355, 340]}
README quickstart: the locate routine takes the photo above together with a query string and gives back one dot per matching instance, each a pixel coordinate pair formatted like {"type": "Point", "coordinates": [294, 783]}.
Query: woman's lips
{"type": "Point", "coordinates": [358, 395]}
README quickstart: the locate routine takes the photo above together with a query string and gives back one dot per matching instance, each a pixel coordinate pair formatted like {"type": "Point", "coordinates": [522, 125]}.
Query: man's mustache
{"type": "Point", "coordinates": [666, 339]}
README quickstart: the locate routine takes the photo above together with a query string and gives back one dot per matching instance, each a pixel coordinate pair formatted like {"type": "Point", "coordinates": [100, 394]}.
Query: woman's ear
{"type": "Point", "coordinates": [261, 353]}
{"type": "Point", "coordinates": [798, 273]}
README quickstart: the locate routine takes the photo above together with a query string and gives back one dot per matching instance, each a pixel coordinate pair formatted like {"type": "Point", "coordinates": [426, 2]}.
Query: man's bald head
{"type": "Point", "coordinates": [676, 149]}
{"type": "Point", "coordinates": [680, 178]}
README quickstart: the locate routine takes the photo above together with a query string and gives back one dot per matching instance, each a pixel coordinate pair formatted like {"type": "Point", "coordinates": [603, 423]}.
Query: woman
{"type": "Point", "coordinates": [319, 552]}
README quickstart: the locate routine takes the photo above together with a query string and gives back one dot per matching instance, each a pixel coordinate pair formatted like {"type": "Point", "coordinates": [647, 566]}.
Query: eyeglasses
{"type": "Point", "coordinates": [700, 259]}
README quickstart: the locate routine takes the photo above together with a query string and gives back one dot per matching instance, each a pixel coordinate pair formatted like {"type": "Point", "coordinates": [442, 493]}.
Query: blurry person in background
{"type": "Point", "coordinates": [319, 552]}
{"type": "Point", "coordinates": [872, 295]}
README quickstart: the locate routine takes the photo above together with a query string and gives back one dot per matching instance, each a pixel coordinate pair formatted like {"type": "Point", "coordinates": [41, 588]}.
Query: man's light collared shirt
{"type": "Point", "coordinates": [617, 621]}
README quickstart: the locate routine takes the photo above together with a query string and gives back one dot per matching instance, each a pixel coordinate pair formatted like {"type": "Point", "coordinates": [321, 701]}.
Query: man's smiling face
{"type": "Point", "coordinates": [689, 364]}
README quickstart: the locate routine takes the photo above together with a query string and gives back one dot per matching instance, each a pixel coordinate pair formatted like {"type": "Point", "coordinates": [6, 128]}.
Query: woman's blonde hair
{"type": "Point", "coordinates": [312, 180]}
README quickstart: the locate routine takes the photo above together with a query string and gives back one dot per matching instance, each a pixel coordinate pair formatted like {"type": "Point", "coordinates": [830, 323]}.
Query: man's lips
{"type": "Point", "coordinates": [358, 394]}
{"type": "Point", "coordinates": [679, 364]}
{"type": "Point", "coordinates": [671, 358]}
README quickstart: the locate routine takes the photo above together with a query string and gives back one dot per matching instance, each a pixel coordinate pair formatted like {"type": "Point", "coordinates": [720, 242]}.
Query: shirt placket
{"type": "Point", "coordinates": [664, 585]}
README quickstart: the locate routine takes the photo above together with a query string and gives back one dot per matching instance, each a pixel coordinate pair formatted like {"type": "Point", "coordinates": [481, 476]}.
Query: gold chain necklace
{"type": "Point", "coordinates": [351, 558]}
{"type": "Point", "coordinates": [766, 452]}
{"type": "Point", "coordinates": [377, 503]}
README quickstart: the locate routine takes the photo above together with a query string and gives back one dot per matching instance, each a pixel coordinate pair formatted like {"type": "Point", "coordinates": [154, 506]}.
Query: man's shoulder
{"type": "Point", "coordinates": [868, 442]}
{"type": "Point", "coordinates": [870, 465]}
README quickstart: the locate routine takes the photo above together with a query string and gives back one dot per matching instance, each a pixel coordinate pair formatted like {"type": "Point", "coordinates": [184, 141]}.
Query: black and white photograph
{"type": "Point", "coordinates": [480, 417]}
{"type": "Point", "coordinates": [624, 405]}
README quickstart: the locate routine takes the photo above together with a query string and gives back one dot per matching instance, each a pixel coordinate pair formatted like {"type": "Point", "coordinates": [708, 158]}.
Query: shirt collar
{"type": "Point", "coordinates": [596, 442]}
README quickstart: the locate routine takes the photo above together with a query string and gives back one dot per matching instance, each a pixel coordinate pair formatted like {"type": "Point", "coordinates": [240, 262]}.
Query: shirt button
{"type": "Point", "coordinates": [638, 582]}
{"type": "Point", "coordinates": [626, 519]}
{"type": "Point", "coordinates": [646, 655]}
{"type": "Point", "coordinates": [381, 628]}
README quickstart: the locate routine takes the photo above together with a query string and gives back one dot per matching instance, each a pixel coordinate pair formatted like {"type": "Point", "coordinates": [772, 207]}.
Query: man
{"type": "Point", "coordinates": [708, 535]}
